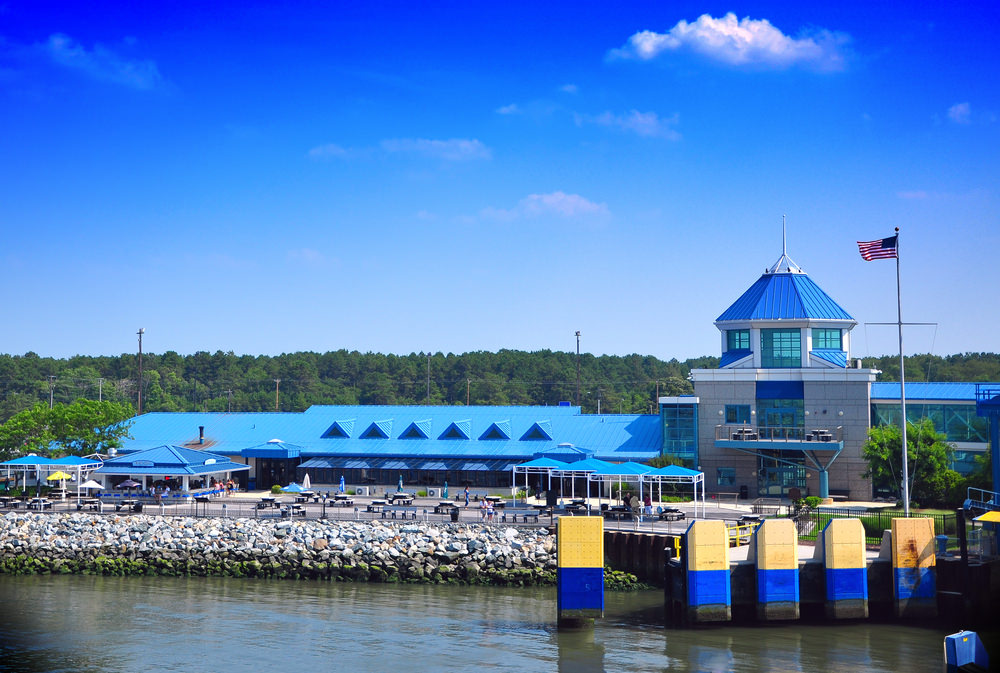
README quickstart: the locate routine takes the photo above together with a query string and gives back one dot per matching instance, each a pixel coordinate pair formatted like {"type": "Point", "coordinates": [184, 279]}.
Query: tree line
{"type": "Point", "coordinates": [224, 381]}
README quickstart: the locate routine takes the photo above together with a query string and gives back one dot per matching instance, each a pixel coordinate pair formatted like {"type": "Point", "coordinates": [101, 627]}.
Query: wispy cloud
{"type": "Point", "coordinates": [508, 109]}
{"type": "Point", "coordinates": [960, 113]}
{"type": "Point", "coordinates": [647, 124]}
{"type": "Point", "coordinates": [915, 194]}
{"type": "Point", "coordinates": [569, 88]}
{"type": "Point", "coordinates": [455, 149]}
{"type": "Point", "coordinates": [741, 42]}
{"type": "Point", "coordinates": [559, 204]}
{"type": "Point", "coordinates": [102, 63]}
{"type": "Point", "coordinates": [327, 151]}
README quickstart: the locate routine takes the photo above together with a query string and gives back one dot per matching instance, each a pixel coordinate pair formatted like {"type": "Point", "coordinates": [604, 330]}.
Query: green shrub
{"type": "Point", "coordinates": [812, 502]}
{"type": "Point", "coordinates": [276, 490]}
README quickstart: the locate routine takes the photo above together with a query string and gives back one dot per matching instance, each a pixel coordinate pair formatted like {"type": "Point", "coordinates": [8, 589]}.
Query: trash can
{"type": "Point", "coordinates": [137, 507]}
{"type": "Point", "coordinates": [942, 544]}
{"type": "Point", "coordinates": [744, 492]}
{"type": "Point", "coordinates": [454, 514]}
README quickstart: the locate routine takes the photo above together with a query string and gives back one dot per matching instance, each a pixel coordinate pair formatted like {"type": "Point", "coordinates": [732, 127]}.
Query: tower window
{"type": "Point", "coordinates": [738, 339]}
{"type": "Point", "coordinates": [780, 348]}
{"type": "Point", "coordinates": [827, 338]}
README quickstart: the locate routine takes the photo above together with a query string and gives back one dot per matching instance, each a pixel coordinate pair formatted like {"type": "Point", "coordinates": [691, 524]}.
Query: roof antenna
{"type": "Point", "coordinates": [783, 249]}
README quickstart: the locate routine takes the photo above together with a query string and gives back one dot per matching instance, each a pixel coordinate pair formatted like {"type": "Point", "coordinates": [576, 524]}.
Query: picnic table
{"type": "Point", "coordinates": [444, 507]}
{"type": "Point", "coordinates": [498, 502]}
{"type": "Point", "coordinates": [376, 506]}
{"type": "Point", "coordinates": [342, 501]}
{"type": "Point", "coordinates": [399, 497]}
{"type": "Point", "coordinates": [268, 501]}
{"type": "Point", "coordinates": [671, 514]}
{"type": "Point", "coordinates": [618, 513]}
{"type": "Point", "coordinates": [39, 503]}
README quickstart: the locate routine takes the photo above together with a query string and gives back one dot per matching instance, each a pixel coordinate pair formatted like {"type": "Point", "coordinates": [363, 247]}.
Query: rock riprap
{"type": "Point", "coordinates": [373, 551]}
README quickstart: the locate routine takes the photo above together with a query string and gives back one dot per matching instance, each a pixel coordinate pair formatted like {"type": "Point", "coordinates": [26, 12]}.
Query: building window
{"type": "Point", "coordinates": [680, 431]}
{"type": "Point", "coordinates": [737, 414]}
{"type": "Point", "coordinates": [827, 338]}
{"type": "Point", "coordinates": [780, 348]}
{"type": "Point", "coordinates": [738, 339]}
{"type": "Point", "coordinates": [725, 476]}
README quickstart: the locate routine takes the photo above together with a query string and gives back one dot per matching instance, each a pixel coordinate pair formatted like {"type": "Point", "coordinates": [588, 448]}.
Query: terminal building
{"type": "Point", "coordinates": [786, 413]}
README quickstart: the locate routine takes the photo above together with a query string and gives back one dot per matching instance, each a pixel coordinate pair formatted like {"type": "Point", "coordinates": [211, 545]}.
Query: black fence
{"type": "Point", "coordinates": [877, 521]}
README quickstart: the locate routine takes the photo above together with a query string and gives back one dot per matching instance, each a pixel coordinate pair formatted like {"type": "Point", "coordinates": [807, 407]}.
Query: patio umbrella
{"type": "Point", "coordinates": [399, 486]}
{"type": "Point", "coordinates": [128, 483]}
{"type": "Point", "coordinates": [445, 491]}
{"type": "Point", "coordinates": [61, 476]}
{"type": "Point", "coordinates": [343, 486]}
{"type": "Point", "coordinates": [306, 484]}
{"type": "Point", "coordinates": [293, 488]}
{"type": "Point", "coordinates": [90, 483]}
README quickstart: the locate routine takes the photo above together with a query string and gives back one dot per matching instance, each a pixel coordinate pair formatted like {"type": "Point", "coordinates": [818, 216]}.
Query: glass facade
{"type": "Point", "coordinates": [780, 348]}
{"type": "Point", "coordinates": [680, 431]}
{"type": "Point", "coordinates": [725, 476]}
{"type": "Point", "coordinates": [781, 418]}
{"type": "Point", "coordinates": [738, 339]}
{"type": "Point", "coordinates": [827, 338]}
{"type": "Point", "coordinates": [737, 414]}
{"type": "Point", "coordinates": [957, 422]}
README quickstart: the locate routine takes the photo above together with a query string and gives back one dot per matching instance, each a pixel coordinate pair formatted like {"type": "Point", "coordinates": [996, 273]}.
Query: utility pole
{"type": "Point", "coordinates": [140, 332]}
{"type": "Point", "coordinates": [428, 377]}
{"type": "Point", "coordinates": [276, 382]}
{"type": "Point", "coordinates": [52, 383]}
{"type": "Point", "coordinates": [100, 390]}
{"type": "Point", "coordinates": [578, 368]}
{"type": "Point", "coordinates": [230, 393]}
{"type": "Point", "coordinates": [468, 389]}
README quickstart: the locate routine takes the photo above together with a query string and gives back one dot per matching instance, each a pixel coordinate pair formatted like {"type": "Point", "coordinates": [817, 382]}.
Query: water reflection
{"type": "Point", "coordinates": [72, 623]}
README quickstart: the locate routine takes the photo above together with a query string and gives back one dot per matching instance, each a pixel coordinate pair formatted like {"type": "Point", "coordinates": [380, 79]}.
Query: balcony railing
{"type": "Point", "coordinates": [749, 433]}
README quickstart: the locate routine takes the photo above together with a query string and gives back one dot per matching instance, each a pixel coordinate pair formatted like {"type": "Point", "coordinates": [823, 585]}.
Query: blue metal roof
{"type": "Point", "coordinates": [170, 460]}
{"type": "Point", "coordinates": [610, 436]}
{"type": "Point", "coordinates": [924, 390]}
{"type": "Point", "coordinates": [831, 355]}
{"type": "Point", "coordinates": [784, 296]}
{"type": "Point", "coordinates": [735, 355]}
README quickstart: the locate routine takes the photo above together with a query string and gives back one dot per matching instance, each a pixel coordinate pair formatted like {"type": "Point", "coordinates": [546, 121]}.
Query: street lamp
{"type": "Point", "coordinates": [140, 333]}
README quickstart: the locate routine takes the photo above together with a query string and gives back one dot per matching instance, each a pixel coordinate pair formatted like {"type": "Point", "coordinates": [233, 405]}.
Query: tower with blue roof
{"type": "Point", "coordinates": [788, 409]}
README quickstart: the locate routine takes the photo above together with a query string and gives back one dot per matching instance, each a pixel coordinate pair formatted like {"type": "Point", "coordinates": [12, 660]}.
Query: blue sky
{"type": "Point", "coordinates": [395, 178]}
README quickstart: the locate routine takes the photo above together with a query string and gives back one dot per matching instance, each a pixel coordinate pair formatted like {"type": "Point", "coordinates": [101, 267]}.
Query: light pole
{"type": "Point", "coordinates": [578, 368]}
{"type": "Point", "coordinates": [52, 381]}
{"type": "Point", "coordinates": [428, 377]}
{"type": "Point", "coordinates": [140, 333]}
{"type": "Point", "coordinates": [276, 382]}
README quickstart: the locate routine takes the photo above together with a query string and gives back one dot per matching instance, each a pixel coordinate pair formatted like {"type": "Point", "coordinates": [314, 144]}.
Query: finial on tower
{"type": "Point", "coordinates": [784, 263]}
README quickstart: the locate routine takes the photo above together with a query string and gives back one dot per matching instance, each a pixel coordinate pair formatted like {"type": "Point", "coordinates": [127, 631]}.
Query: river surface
{"type": "Point", "coordinates": [157, 624]}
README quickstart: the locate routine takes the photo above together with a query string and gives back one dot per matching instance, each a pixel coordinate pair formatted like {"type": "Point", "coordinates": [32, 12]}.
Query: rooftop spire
{"type": "Point", "coordinates": [784, 263]}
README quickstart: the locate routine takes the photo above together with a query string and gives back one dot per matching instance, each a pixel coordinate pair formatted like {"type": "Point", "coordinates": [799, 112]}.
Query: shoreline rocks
{"type": "Point", "coordinates": [373, 551]}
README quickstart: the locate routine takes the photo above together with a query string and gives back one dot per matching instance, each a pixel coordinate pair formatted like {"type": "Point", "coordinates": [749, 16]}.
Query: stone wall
{"type": "Point", "coordinates": [334, 550]}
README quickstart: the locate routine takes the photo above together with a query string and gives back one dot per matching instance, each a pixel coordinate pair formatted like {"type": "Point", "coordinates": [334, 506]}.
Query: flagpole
{"type": "Point", "coordinates": [902, 387]}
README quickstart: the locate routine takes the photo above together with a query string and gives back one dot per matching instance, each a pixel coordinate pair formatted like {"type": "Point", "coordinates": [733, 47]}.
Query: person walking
{"type": "Point", "coordinates": [466, 496]}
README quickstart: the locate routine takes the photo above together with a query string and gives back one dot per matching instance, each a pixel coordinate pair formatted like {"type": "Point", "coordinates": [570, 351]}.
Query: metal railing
{"type": "Point", "coordinates": [749, 433]}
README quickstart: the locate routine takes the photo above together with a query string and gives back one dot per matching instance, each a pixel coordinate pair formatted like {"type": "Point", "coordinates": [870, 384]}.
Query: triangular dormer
{"type": "Point", "coordinates": [458, 430]}
{"type": "Point", "coordinates": [339, 429]}
{"type": "Point", "coordinates": [417, 430]}
{"type": "Point", "coordinates": [540, 431]}
{"type": "Point", "coordinates": [498, 430]}
{"type": "Point", "coordinates": [378, 430]}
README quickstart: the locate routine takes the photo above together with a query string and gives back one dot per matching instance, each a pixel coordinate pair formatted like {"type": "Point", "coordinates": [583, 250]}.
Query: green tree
{"type": "Point", "coordinates": [80, 428]}
{"type": "Point", "coordinates": [932, 481]}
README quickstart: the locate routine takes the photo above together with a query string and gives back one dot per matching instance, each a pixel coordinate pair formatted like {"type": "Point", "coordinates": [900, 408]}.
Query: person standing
{"type": "Point", "coordinates": [466, 496]}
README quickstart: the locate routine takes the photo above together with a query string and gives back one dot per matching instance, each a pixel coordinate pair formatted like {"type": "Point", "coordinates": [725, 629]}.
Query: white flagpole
{"type": "Point", "coordinates": [902, 388]}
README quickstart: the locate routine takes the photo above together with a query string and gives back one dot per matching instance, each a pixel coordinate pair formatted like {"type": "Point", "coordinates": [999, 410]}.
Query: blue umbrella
{"type": "Point", "coordinates": [445, 492]}
{"type": "Point", "coordinates": [342, 485]}
{"type": "Point", "coordinates": [399, 486]}
{"type": "Point", "coordinates": [293, 488]}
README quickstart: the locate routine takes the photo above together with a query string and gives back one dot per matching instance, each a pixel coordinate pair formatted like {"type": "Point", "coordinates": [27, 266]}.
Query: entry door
{"type": "Point", "coordinates": [779, 423]}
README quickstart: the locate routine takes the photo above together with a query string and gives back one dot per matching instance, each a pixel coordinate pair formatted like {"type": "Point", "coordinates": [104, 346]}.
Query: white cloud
{"type": "Point", "coordinates": [511, 109]}
{"type": "Point", "coordinates": [960, 113]}
{"type": "Point", "coordinates": [912, 194]}
{"type": "Point", "coordinates": [327, 151]}
{"type": "Point", "coordinates": [647, 124]}
{"type": "Point", "coordinates": [558, 204]}
{"type": "Point", "coordinates": [456, 149]}
{"type": "Point", "coordinates": [569, 88]}
{"type": "Point", "coordinates": [103, 64]}
{"type": "Point", "coordinates": [740, 42]}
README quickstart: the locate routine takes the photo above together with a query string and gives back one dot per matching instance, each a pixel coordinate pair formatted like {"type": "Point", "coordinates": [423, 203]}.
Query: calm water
{"type": "Point", "coordinates": [136, 624]}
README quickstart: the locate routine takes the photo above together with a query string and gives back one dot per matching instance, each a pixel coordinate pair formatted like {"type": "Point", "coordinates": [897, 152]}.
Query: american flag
{"type": "Point", "coordinates": [884, 248]}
